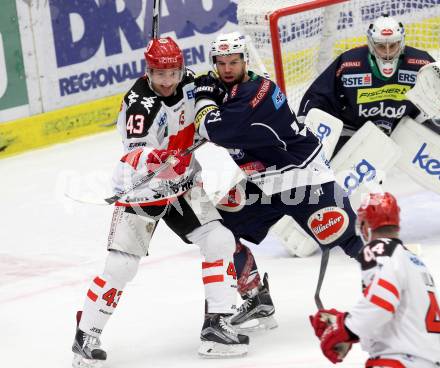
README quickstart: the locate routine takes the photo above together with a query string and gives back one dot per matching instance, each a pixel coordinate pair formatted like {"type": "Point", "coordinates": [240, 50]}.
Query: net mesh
{"type": "Point", "coordinates": [310, 40]}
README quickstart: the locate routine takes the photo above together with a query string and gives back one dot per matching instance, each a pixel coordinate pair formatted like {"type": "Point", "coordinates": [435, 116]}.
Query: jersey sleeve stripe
{"type": "Point", "coordinates": [91, 295]}
{"type": "Point", "coordinates": [213, 278]}
{"type": "Point", "coordinates": [391, 363]}
{"type": "Point", "coordinates": [218, 263]}
{"type": "Point", "coordinates": [382, 303]}
{"type": "Point", "coordinates": [389, 286]}
{"type": "Point", "coordinates": [100, 282]}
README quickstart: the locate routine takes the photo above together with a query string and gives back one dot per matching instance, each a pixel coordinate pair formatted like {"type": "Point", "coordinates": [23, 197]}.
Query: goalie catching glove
{"type": "Point", "coordinates": [336, 339]}
{"type": "Point", "coordinates": [209, 87]}
{"type": "Point", "coordinates": [178, 163]}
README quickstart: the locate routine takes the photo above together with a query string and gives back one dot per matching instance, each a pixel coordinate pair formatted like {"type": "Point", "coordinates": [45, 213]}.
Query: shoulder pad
{"type": "Point", "coordinates": [383, 247]}
{"type": "Point", "coordinates": [188, 76]}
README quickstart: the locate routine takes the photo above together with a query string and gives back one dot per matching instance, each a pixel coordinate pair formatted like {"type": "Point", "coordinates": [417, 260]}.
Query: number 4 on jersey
{"type": "Point", "coordinates": [432, 319]}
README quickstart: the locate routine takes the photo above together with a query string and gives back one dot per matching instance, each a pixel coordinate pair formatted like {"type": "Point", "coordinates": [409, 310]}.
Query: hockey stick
{"type": "Point", "coordinates": [156, 15]}
{"type": "Point", "coordinates": [170, 161]}
{"type": "Point", "coordinates": [322, 268]}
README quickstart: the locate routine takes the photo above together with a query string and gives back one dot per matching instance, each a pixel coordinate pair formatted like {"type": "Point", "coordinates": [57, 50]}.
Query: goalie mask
{"type": "Point", "coordinates": [386, 42]}
{"type": "Point", "coordinates": [377, 210]}
{"type": "Point", "coordinates": [164, 61]}
{"type": "Point", "coordinates": [229, 44]}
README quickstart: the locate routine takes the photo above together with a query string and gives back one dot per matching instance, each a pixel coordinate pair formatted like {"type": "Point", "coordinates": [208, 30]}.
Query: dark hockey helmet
{"type": "Point", "coordinates": [379, 209]}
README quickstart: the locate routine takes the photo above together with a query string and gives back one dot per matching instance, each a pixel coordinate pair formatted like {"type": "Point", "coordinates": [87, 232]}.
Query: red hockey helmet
{"type": "Point", "coordinates": [379, 209]}
{"type": "Point", "coordinates": [163, 53]}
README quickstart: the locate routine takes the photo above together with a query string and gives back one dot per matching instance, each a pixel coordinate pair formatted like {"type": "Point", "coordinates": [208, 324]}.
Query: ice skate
{"type": "Point", "coordinates": [256, 312]}
{"type": "Point", "coordinates": [87, 352]}
{"type": "Point", "coordinates": [220, 340]}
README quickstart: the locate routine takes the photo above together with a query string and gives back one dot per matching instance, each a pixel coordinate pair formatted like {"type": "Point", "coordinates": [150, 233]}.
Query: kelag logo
{"type": "Point", "coordinates": [323, 131]}
{"type": "Point", "coordinates": [104, 22]}
{"type": "Point", "coordinates": [430, 165]}
{"type": "Point", "coordinates": [363, 171]}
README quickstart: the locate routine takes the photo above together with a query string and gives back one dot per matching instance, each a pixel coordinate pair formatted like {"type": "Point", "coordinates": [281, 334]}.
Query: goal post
{"type": "Point", "coordinates": [296, 40]}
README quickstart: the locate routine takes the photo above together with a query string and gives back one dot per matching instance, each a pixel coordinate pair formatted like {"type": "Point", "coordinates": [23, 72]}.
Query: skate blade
{"type": "Point", "coordinates": [257, 324]}
{"type": "Point", "coordinates": [214, 350]}
{"type": "Point", "coordinates": [81, 362]}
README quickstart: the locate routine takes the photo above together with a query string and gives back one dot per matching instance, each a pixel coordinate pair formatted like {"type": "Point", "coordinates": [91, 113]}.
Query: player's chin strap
{"type": "Point", "coordinates": [322, 269]}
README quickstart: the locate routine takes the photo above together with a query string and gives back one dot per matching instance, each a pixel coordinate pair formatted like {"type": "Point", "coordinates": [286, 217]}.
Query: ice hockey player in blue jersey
{"type": "Point", "coordinates": [369, 82]}
{"type": "Point", "coordinates": [287, 172]}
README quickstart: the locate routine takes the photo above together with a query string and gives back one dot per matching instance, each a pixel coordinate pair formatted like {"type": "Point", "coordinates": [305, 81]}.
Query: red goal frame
{"type": "Point", "coordinates": [275, 34]}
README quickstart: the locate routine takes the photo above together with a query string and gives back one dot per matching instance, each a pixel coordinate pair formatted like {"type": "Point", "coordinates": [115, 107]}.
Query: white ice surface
{"type": "Point", "coordinates": [51, 247]}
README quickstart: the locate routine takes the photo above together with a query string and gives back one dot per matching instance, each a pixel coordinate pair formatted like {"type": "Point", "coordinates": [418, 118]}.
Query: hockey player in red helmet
{"type": "Point", "coordinates": [165, 67]}
{"type": "Point", "coordinates": [156, 121]}
{"type": "Point", "coordinates": [378, 213]}
{"type": "Point", "coordinates": [397, 320]}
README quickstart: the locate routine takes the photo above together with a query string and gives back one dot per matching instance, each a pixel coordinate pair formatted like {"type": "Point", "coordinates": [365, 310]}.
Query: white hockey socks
{"type": "Point", "coordinates": [105, 291]}
{"type": "Point", "coordinates": [220, 281]}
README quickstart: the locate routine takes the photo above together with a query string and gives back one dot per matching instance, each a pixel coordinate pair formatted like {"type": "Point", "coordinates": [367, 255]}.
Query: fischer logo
{"type": "Point", "coordinates": [430, 165]}
{"type": "Point", "coordinates": [363, 171]}
{"type": "Point", "coordinates": [357, 80]}
{"type": "Point", "coordinates": [388, 112]}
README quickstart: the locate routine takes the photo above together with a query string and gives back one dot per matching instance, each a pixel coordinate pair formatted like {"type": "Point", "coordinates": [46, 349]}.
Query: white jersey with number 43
{"type": "Point", "coordinates": [147, 121]}
{"type": "Point", "coordinates": [400, 311]}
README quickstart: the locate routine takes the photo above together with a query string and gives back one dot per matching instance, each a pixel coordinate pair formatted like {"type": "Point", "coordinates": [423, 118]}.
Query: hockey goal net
{"type": "Point", "coordinates": [296, 40]}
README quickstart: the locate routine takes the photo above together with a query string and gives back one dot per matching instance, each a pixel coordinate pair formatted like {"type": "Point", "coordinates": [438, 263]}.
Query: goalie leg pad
{"type": "Point", "coordinates": [421, 153]}
{"type": "Point", "coordinates": [327, 127]}
{"type": "Point", "coordinates": [296, 241]}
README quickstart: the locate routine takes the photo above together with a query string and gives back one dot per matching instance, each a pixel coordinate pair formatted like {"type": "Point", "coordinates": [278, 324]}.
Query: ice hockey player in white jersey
{"type": "Point", "coordinates": [156, 121]}
{"type": "Point", "coordinates": [397, 321]}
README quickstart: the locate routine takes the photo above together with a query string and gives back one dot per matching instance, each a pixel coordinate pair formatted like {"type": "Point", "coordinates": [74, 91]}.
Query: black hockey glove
{"type": "Point", "coordinates": [209, 87]}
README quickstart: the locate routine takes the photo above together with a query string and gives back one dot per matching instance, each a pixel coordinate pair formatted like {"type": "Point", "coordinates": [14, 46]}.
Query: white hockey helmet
{"type": "Point", "coordinates": [386, 42]}
{"type": "Point", "coordinates": [228, 44]}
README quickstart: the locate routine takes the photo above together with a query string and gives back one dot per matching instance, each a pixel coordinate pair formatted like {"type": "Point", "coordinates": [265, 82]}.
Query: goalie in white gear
{"type": "Point", "coordinates": [157, 121]}
{"type": "Point", "coordinates": [397, 320]}
{"type": "Point", "coordinates": [364, 84]}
